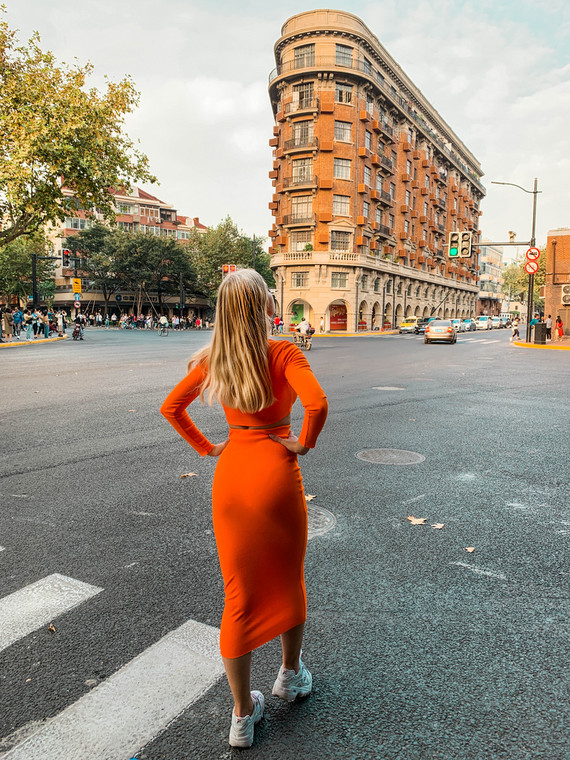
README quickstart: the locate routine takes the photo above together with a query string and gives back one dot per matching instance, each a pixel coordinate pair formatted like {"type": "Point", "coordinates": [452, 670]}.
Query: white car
{"type": "Point", "coordinates": [496, 323]}
{"type": "Point", "coordinates": [483, 323]}
{"type": "Point", "coordinates": [458, 325]}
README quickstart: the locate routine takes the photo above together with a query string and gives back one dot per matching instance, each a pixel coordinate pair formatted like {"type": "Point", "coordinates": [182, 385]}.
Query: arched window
{"type": "Point", "coordinates": [409, 289]}
{"type": "Point", "coordinates": [418, 291]}
{"type": "Point", "coordinates": [399, 288]}
{"type": "Point", "coordinates": [389, 286]}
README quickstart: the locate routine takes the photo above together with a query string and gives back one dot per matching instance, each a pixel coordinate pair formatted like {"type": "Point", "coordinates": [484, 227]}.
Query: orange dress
{"type": "Point", "coordinates": [259, 509]}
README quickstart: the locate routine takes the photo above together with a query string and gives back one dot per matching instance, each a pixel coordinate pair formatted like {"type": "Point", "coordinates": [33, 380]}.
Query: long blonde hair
{"type": "Point", "coordinates": [236, 361]}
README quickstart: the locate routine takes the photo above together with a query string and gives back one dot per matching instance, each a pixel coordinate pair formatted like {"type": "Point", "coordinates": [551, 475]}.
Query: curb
{"type": "Point", "coordinates": [375, 334]}
{"type": "Point", "coordinates": [17, 343]}
{"type": "Point", "coordinates": [521, 344]}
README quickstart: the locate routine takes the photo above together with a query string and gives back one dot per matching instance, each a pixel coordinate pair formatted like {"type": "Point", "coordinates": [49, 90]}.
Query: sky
{"type": "Point", "coordinates": [498, 72]}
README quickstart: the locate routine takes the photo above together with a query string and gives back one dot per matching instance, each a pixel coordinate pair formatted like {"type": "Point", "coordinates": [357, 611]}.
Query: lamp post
{"type": "Point", "coordinates": [530, 298]}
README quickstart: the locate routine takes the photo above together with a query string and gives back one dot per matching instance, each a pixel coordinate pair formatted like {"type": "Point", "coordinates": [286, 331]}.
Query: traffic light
{"type": "Point", "coordinates": [65, 257]}
{"type": "Point", "coordinates": [453, 245]}
{"type": "Point", "coordinates": [465, 246]}
{"type": "Point", "coordinates": [228, 269]}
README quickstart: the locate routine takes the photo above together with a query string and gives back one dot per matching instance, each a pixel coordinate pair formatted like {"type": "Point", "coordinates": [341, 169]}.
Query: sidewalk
{"type": "Point", "coordinates": [558, 345]}
{"type": "Point", "coordinates": [16, 343]}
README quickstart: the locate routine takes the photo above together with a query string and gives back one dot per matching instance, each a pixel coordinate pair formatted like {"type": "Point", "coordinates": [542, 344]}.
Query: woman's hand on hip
{"type": "Point", "coordinates": [291, 442]}
{"type": "Point", "coordinates": [218, 448]}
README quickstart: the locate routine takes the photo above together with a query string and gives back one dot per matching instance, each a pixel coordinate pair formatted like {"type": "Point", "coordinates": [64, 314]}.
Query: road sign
{"type": "Point", "coordinates": [77, 304]}
{"type": "Point", "coordinates": [118, 298]}
{"type": "Point", "coordinates": [531, 267]}
{"type": "Point", "coordinates": [533, 254]}
{"type": "Point", "coordinates": [77, 296]}
{"type": "Point", "coordinates": [76, 281]}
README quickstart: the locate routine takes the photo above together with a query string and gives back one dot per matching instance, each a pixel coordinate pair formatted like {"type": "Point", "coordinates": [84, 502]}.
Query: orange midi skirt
{"type": "Point", "coordinates": [260, 524]}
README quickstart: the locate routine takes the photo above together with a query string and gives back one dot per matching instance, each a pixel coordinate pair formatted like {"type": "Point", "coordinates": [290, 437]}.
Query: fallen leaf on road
{"type": "Point", "coordinates": [416, 520]}
{"type": "Point", "coordinates": [132, 410]}
{"type": "Point", "coordinates": [412, 419]}
{"type": "Point", "coordinates": [309, 497]}
{"type": "Point", "coordinates": [470, 549]}
{"type": "Point", "coordinates": [189, 475]}
{"type": "Point", "coordinates": [438, 526]}
{"type": "Point", "coordinates": [51, 627]}
{"type": "Point", "coordinates": [28, 680]}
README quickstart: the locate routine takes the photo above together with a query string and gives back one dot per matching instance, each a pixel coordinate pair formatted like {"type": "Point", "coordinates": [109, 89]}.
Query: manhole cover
{"type": "Point", "coordinates": [387, 388]}
{"type": "Point", "coordinates": [320, 521]}
{"type": "Point", "coordinates": [390, 456]}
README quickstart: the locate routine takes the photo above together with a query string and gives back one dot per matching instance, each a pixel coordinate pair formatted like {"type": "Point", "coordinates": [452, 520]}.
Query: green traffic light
{"type": "Point", "coordinates": [453, 251]}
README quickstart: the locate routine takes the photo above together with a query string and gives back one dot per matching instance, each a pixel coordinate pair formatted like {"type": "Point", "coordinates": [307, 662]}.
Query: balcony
{"type": "Point", "coordinates": [300, 183]}
{"type": "Point", "coordinates": [302, 105]}
{"type": "Point", "coordinates": [384, 230]}
{"type": "Point", "coordinates": [383, 127]}
{"type": "Point", "coordinates": [382, 196]}
{"type": "Point", "coordinates": [299, 220]}
{"type": "Point", "coordinates": [299, 144]}
{"type": "Point", "coordinates": [386, 164]}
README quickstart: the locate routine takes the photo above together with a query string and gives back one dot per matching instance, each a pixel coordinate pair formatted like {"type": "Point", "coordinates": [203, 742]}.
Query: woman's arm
{"type": "Point", "coordinates": [174, 409]}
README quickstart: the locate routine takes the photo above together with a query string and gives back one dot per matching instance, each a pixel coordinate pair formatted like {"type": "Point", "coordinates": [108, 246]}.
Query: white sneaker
{"type": "Point", "coordinates": [241, 731]}
{"type": "Point", "coordinates": [290, 685]}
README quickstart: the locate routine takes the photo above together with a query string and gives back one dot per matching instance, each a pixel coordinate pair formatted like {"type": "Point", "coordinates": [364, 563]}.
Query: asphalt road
{"type": "Point", "coordinates": [419, 649]}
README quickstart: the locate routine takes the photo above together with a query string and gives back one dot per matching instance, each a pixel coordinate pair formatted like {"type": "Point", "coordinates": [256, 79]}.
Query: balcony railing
{"type": "Point", "coordinates": [387, 163]}
{"type": "Point", "coordinates": [304, 219]}
{"type": "Point", "coordinates": [293, 183]}
{"type": "Point", "coordinates": [301, 143]}
{"type": "Point", "coordinates": [303, 104]}
{"type": "Point", "coordinates": [384, 230]}
{"type": "Point", "coordinates": [298, 256]}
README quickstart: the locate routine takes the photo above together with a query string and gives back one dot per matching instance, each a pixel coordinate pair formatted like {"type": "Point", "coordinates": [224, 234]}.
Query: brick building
{"type": "Point", "coordinates": [369, 180]}
{"type": "Point", "coordinates": [137, 212]}
{"type": "Point", "coordinates": [557, 280]}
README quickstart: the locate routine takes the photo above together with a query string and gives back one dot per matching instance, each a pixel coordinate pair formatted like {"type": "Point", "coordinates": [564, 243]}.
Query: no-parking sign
{"type": "Point", "coordinates": [77, 304]}
{"type": "Point", "coordinates": [531, 267]}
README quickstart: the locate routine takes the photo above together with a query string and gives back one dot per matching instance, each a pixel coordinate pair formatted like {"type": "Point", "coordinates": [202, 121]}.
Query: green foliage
{"type": "Point", "coordinates": [53, 127]}
{"type": "Point", "coordinates": [515, 280]}
{"type": "Point", "coordinates": [16, 267]}
{"type": "Point", "coordinates": [226, 244]}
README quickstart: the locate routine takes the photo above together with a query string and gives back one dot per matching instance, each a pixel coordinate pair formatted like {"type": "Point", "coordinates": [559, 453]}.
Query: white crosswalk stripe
{"type": "Point", "coordinates": [128, 710]}
{"type": "Point", "coordinates": [38, 604]}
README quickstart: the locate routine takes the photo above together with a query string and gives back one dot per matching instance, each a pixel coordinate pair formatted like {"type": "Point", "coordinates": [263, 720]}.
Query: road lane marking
{"type": "Point", "coordinates": [38, 604]}
{"type": "Point", "coordinates": [127, 711]}
{"type": "Point", "coordinates": [480, 571]}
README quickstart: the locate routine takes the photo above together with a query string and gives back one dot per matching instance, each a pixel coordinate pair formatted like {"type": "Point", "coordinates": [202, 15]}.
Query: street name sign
{"type": "Point", "coordinates": [533, 254]}
{"type": "Point", "coordinates": [531, 267]}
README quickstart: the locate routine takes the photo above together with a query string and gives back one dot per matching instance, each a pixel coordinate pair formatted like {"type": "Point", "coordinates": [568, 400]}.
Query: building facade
{"type": "Point", "coordinates": [136, 212]}
{"type": "Point", "coordinates": [557, 280]}
{"type": "Point", "coordinates": [369, 180]}
{"type": "Point", "coordinates": [490, 299]}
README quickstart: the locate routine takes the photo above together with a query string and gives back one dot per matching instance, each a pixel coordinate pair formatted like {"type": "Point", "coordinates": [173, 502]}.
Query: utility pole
{"type": "Point", "coordinates": [182, 296]}
{"type": "Point", "coordinates": [253, 257]}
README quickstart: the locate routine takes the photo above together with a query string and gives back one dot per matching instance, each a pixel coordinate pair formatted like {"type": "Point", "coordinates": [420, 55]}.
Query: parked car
{"type": "Point", "coordinates": [440, 330]}
{"type": "Point", "coordinates": [408, 325]}
{"type": "Point", "coordinates": [496, 323]}
{"type": "Point", "coordinates": [505, 321]}
{"type": "Point", "coordinates": [421, 326]}
{"type": "Point", "coordinates": [483, 323]}
{"type": "Point", "coordinates": [469, 325]}
{"type": "Point", "coordinates": [458, 325]}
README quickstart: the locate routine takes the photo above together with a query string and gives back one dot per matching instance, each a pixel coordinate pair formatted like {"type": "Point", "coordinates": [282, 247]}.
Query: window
{"type": "Point", "coordinates": [408, 166]}
{"type": "Point", "coordinates": [302, 208]}
{"type": "Point", "coordinates": [364, 281]}
{"type": "Point", "coordinates": [365, 247]}
{"type": "Point", "coordinates": [343, 93]}
{"type": "Point", "coordinates": [377, 285]}
{"type": "Point", "coordinates": [367, 68]}
{"type": "Point", "coordinates": [399, 288]}
{"type": "Point", "coordinates": [418, 289]}
{"type": "Point", "coordinates": [339, 279]}
{"type": "Point", "coordinates": [343, 55]}
{"type": "Point", "coordinates": [74, 223]}
{"type": "Point", "coordinates": [342, 168]}
{"type": "Point", "coordinates": [365, 209]}
{"type": "Point", "coordinates": [425, 208]}
{"type": "Point", "coordinates": [379, 182]}
{"type": "Point", "coordinates": [378, 215]}
{"type": "Point", "coordinates": [302, 170]}
{"type": "Point", "coordinates": [367, 176]}
{"type": "Point", "coordinates": [299, 239]}
{"type": "Point", "coordinates": [343, 131]}
{"type": "Point", "coordinates": [368, 140]}
{"type": "Point", "coordinates": [299, 279]}
{"type": "Point", "coordinates": [406, 227]}
{"type": "Point", "coordinates": [181, 235]}
{"type": "Point", "coordinates": [413, 201]}
{"type": "Point", "coordinates": [341, 205]}
{"type": "Point", "coordinates": [391, 221]}
{"type": "Point", "coordinates": [303, 132]}
{"type": "Point", "coordinates": [389, 286]}
{"type": "Point", "coordinates": [302, 95]}
{"type": "Point", "coordinates": [379, 77]}
{"type": "Point", "coordinates": [409, 290]}
{"type": "Point", "coordinates": [426, 180]}
{"type": "Point", "coordinates": [408, 197]}
{"type": "Point", "coordinates": [369, 105]}
{"type": "Point", "coordinates": [304, 56]}
{"type": "Point", "coordinates": [340, 241]}
{"type": "Point", "coordinates": [125, 208]}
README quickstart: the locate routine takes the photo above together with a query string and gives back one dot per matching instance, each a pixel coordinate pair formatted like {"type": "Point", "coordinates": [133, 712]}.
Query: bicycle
{"type": "Point", "coordinates": [303, 341]}
{"type": "Point", "coordinates": [162, 330]}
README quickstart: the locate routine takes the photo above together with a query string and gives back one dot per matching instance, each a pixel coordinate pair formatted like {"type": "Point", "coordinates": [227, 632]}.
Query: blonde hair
{"type": "Point", "coordinates": [236, 362]}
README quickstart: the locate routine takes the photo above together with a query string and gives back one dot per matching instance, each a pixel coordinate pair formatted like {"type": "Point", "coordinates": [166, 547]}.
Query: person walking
{"type": "Point", "coordinates": [515, 333]}
{"type": "Point", "coordinates": [7, 323]}
{"type": "Point", "coordinates": [260, 523]}
{"type": "Point", "coordinates": [548, 323]}
{"type": "Point", "coordinates": [559, 329]}
{"type": "Point", "coordinates": [18, 319]}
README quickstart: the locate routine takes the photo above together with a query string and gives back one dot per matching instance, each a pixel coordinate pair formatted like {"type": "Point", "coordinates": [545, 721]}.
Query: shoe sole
{"type": "Point", "coordinates": [290, 695]}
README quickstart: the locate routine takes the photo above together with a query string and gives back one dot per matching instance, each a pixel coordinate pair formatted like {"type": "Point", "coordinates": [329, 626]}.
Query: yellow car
{"type": "Point", "coordinates": [408, 325]}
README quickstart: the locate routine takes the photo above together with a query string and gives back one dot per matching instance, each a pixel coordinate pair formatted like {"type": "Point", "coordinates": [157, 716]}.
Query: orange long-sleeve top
{"type": "Point", "coordinates": [291, 377]}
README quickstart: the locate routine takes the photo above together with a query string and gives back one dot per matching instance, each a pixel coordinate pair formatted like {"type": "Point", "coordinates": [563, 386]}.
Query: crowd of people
{"type": "Point", "coordinates": [31, 324]}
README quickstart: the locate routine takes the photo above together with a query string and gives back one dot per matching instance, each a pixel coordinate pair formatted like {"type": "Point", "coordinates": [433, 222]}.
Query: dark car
{"type": "Point", "coordinates": [440, 330]}
{"type": "Point", "coordinates": [421, 326]}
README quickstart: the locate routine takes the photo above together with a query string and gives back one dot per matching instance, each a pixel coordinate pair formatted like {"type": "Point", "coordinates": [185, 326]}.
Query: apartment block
{"type": "Point", "coordinates": [138, 211]}
{"type": "Point", "coordinates": [368, 182]}
{"type": "Point", "coordinates": [490, 298]}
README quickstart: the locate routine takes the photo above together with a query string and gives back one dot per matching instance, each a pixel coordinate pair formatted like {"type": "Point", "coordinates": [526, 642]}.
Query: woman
{"type": "Point", "coordinates": [515, 333]}
{"type": "Point", "coordinates": [259, 510]}
{"type": "Point", "coordinates": [559, 328]}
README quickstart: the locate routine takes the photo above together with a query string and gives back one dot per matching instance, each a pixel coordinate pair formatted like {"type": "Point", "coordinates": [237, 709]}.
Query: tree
{"type": "Point", "coordinates": [226, 244]}
{"type": "Point", "coordinates": [56, 133]}
{"type": "Point", "coordinates": [16, 268]}
{"type": "Point", "coordinates": [515, 280]}
{"type": "Point", "coordinates": [95, 251]}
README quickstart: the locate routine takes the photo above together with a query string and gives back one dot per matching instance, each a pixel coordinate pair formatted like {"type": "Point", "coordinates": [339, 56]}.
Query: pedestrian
{"type": "Point", "coordinates": [198, 323]}
{"type": "Point", "coordinates": [260, 521]}
{"type": "Point", "coordinates": [559, 328]}
{"type": "Point", "coordinates": [322, 325]}
{"type": "Point", "coordinates": [60, 324]}
{"type": "Point", "coordinates": [515, 333]}
{"type": "Point", "coordinates": [548, 323]}
{"type": "Point", "coordinates": [113, 320]}
{"type": "Point", "coordinates": [18, 318]}
{"type": "Point", "coordinates": [7, 323]}
{"type": "Point", "coordinates": [28, 323]}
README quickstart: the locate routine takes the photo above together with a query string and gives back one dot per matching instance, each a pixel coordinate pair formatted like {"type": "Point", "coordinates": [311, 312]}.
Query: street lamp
{"type": "Point", "coordinates": [530, 299]}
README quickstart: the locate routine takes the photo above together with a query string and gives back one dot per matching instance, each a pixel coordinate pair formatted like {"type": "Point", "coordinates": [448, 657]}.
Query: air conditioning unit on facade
{"type": "Point", "coordinates": [565, 295]}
